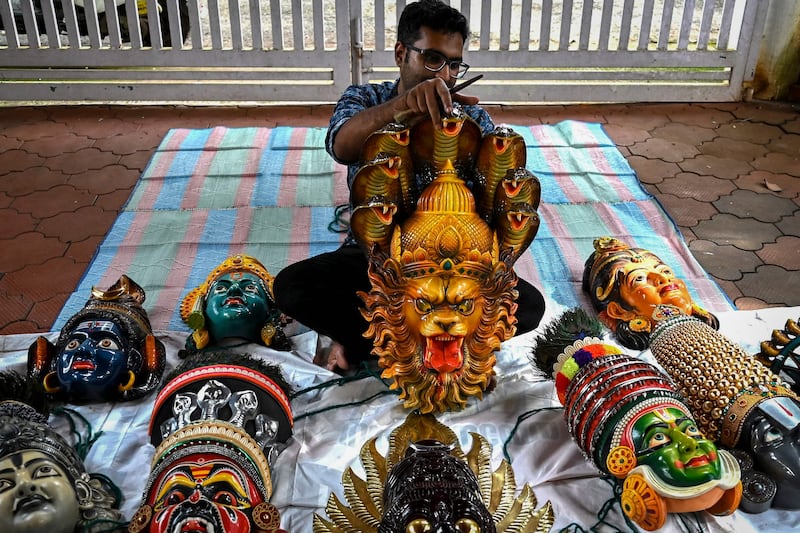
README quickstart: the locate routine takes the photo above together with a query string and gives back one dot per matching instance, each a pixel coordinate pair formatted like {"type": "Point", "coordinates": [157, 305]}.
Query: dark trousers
{"type": "Point", "coordinates": [320, 292]}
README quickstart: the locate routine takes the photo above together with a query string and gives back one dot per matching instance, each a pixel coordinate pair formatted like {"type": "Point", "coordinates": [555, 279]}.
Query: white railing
{"type": "Point", "coordinates": [280, 51]}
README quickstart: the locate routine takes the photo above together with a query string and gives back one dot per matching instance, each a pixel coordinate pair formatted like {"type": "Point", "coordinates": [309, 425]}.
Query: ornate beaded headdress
{"type": "Point", "coordinates": [604, 391]}
{"type": "Point", "coordinates": [122, 304]}
{"type": "Point", "coordinates": [721, 382]}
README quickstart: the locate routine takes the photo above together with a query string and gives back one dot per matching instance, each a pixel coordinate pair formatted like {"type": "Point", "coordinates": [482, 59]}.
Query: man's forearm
{"type": "Point", "coordinates": [351, 136]}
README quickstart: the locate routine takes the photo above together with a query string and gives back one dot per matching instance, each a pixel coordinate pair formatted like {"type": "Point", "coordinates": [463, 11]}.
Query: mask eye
{"type": "Point", "coordinates": [418, 525]}
{"type": "Point", "coordinates": [422, 306]}
{"type": "Point", "coordinates": [175, 497]}
{"type": "Point", "coordinates": [467, 525]}
{"type": "Point", "coordinates": [225, 498]}
{"type": "Point", "coordinates": [251, 288]}
{"type": "Point", "coordinates": [466, 307]}
{"type": "Point", "coordinates": [108, 344]}
{"type": "Point", "coordinates": [693, 431]}
{"type": "Point", "coordinates": [72, 345]}
{"type": "Point", "coordinates": [659, 439]}
{"type": "Point", "coordinates": [220, 288]}
{"type": "Point", "coordinates": [45, 471]}
{"type": "Point", "coordinates": [5, 484]}
{"type": "Point", "coordinates": [773, 436]}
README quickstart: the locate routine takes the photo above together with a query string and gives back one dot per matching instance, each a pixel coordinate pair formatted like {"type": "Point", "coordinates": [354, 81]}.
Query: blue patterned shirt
{"type": "Point", "coordinates": [357, 98]}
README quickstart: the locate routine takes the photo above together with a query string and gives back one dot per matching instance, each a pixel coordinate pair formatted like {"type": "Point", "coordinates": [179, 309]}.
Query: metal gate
{"type": "Point", "coordinates": [291, 51]}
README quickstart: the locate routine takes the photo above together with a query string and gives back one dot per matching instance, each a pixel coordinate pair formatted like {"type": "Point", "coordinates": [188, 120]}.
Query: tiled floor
{"type": "Point", "coordinates": [729, 174]}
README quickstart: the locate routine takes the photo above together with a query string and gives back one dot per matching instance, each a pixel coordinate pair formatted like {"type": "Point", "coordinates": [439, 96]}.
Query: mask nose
{"type": "Point", "coordinates": [87, 347]}
{"type": "Point", "coordinates": [657, 278]}
{"type": "Point", "coordinates": [685, 444]}
{"type": "Point", "coordinates": [235, 290]}
{"type": "Point", "coordinates": [26, 487]}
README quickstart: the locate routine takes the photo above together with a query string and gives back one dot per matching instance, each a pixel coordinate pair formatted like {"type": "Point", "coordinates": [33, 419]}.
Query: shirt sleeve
{"type": "Point", "coordinates": [354, 99]}
{"type": "Point", "coordinates": [482, 117]}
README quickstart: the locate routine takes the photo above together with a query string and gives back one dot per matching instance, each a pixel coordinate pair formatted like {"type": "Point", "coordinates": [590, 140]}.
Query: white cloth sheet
{"type": "Point", "coordinates": [324, 444]}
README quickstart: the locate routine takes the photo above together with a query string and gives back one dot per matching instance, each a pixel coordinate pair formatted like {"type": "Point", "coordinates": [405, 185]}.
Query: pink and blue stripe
{"type": "Point", "coordinates": [271, 193]}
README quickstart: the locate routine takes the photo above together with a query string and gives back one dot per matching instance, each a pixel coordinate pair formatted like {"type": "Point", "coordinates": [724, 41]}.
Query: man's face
{"type": "Point", "coordinates": [412, 63]}
{"type": "Point", "coordinates": [237, 306]}
{"type": "Point", "coordinates": [94, 360]}
{"type": "Point", "coordinates": [669, 442]}
{"type": "Point", "coordinates": [36, 495]}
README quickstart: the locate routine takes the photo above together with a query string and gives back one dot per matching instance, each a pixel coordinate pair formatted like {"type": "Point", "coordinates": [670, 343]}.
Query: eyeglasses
{"type": "Point", "coordinates": [434, 61]}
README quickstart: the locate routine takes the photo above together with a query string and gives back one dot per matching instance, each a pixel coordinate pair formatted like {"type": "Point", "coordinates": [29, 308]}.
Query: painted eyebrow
{"type": "Point", "coordinates": [36, 460]}
{"type": "Point", "coordinates": [26, 465]}
{"type": "Point", "coordinates": [629, 274]}
{"type": "Point", "coordinates": [656, 425]}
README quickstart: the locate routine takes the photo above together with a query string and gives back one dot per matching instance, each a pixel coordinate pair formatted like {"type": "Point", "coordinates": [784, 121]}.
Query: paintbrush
{"type": "Point", "coordinates": [465, 84]}
{"type": "Point", "coordinates": [401, 117]}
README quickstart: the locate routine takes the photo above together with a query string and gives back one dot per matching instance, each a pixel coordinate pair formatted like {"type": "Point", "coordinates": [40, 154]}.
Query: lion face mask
{"type": "Point", "coordinates": [443, 289]}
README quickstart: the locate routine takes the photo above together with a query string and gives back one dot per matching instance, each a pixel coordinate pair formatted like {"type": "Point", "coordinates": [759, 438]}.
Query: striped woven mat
{"type": "Point", "coordinates": [271, 193]}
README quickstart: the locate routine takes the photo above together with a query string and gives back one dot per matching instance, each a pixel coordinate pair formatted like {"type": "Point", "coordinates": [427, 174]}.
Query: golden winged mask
{"type": "Point", "coordinates": [426, 470]}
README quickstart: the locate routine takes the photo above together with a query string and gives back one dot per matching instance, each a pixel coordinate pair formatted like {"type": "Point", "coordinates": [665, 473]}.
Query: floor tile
{"type": "Point", "coordinates": [753, 132]}
{"type": "Point", "coordinates": [787, 144]}
{"type": "Point", "coordinates": [664, 150]}
{"type": "Point", "coordinates": [724, 147]}
{"type": "Point", "coordinates": [19, 159]}
{"type": "Point", "coordinates": [686, 211]}
{"type": "Point", "coordinates": [724, 261]}
{"type": "Point", "coordinates": [701, 188]}
{"type": "Point", "coordinates": [58, 199]}
{"type": "Point", "coordinates": [652, 170]}
{"type": "Point", "coordinates": [784, 252]}
{"type": "Point", "coordinates": [80, 224]}
{"type": "Point", "coordinates": [82, 160]}
{"type": "Point", "coordinates": [53, 146]}
{"type": "Point", "coordinates": [778, 162]}
{"type": "Point", "coordinates": [744, 233]}
{"type": "Point", "coordinates": [31, 248]}
{"type": "Point", "coordinates": [763, 182]}
{"type": "Point", "coordinates": [783, 286]}
{"type": "Point", "coordinates": [709, 165]}
{"type": "Point", "coordinates": [762, 207]}
{"type": "Point", "coordinates": [682, 133]}
{"type": "Point", "coordinates": [790, 225]}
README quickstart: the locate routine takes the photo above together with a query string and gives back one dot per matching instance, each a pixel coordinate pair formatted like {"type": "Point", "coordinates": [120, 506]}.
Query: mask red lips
{"type": "Point", "coordinates": [668, 288]}
{"type": "Point", "coordinates": [234, 300]}
{"type": "Point", "coordinates": [443, 353]}
{"type": "Point", "coordinates": [694, 462]}
{"type": "Point", "coordinates": [82, 365]}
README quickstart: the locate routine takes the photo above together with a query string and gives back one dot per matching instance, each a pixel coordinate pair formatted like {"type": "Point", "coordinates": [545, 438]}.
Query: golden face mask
{"type": "Point", "coordinates": [443, 291]}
